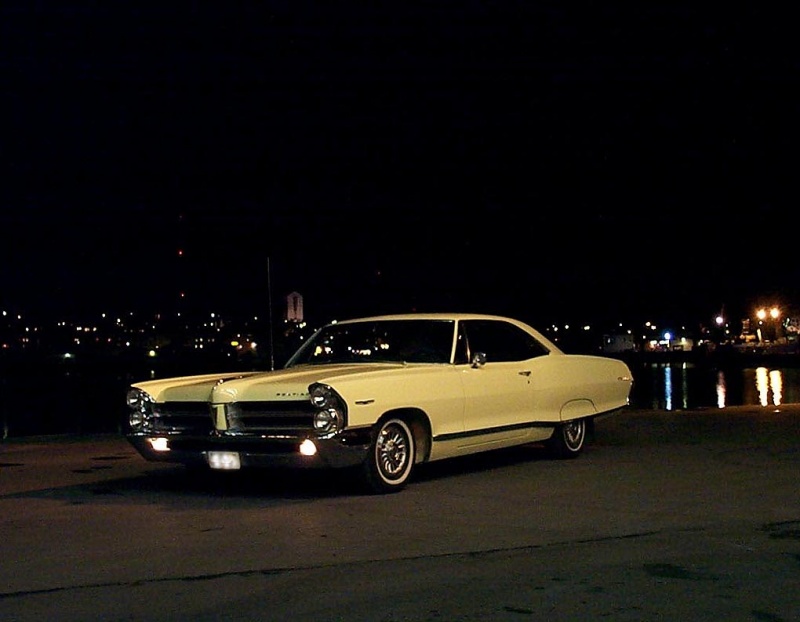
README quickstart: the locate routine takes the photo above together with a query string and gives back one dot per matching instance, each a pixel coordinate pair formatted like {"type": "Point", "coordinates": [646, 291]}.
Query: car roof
{"type": "Point", "coordinates": [456, 317]}
{"type": "Point", "coordinates": [428, 316]}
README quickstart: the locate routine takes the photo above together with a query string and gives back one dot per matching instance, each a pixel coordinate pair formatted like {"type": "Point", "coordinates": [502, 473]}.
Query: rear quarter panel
{"type": "Point", "coordinates": [570, 386]}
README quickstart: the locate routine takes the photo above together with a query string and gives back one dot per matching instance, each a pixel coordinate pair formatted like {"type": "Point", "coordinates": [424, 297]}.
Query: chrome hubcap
{"type": "Point", "coordinates": [392, 452]}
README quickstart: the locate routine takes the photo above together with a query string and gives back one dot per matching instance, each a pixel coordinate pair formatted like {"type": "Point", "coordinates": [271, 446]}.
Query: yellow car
{"type": "Point", "coordinates": [381, 395]}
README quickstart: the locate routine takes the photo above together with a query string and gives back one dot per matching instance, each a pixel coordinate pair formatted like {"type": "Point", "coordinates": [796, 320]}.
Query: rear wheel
{"type": "Point", "coordinates": [388, 465]}
{"type": "Point", "coordinates": [568, 439]}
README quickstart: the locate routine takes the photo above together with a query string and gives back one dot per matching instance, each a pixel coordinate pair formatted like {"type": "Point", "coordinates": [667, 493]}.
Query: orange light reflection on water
{"type": "Point", "coordinates": [721, 389]}
{"type": "Point", "coordinates": [769, 383]}
{"type": "Point", "coordinates": [768, 386]}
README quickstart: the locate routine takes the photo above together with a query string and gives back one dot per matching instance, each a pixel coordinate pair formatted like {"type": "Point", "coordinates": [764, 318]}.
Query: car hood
{"type": "Point", "coordinates": [280, 385]}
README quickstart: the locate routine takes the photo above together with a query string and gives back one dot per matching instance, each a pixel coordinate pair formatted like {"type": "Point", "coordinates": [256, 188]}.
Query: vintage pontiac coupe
{"type": "Point", "coordinates": [381, 395]}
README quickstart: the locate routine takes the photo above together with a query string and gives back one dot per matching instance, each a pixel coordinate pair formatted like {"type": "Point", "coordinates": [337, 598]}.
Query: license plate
{"type": "Point", "coordinates": [224, 460]}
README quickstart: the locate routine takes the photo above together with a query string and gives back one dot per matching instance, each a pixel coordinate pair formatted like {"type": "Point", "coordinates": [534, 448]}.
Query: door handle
{"type": "Point", "coordinates": [524, 373]}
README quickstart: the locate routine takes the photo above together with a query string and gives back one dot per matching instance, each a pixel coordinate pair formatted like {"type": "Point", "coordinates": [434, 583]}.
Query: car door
{"type": "Point", "coordinates": [499, 392]}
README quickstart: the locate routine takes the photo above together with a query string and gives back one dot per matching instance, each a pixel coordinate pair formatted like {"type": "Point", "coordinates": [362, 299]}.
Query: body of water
{"type": "Point", "coordinates": [58, 398]}
{"type": "Point", "coordinates": [682, 385]}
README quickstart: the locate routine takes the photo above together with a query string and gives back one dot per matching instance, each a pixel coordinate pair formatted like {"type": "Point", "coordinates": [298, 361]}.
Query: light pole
{"type": "Point", "coordinates": [774, 315]}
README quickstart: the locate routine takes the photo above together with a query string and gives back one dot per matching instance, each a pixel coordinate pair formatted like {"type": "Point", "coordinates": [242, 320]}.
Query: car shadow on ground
{"type": "Point", "coordinates": [295, 484]}
{"type": "Point", "coordinates": [179, 485]}
{"type": "Point", "coordinates": [481, 462]}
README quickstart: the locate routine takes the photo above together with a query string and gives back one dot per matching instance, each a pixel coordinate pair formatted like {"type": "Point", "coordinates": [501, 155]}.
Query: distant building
{"type": "Point", "coordinates": [294, 308]}
{"type": "Point", "coordinates": [791, 328]}
{"type": "Point", "coordinates": [619, 343]}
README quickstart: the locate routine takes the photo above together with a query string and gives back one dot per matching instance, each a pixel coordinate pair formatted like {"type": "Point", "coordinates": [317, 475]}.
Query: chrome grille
{"type": "Point", "coordinates": [272, 417]}
{"type": "Point", "coordinates": [187, 417]}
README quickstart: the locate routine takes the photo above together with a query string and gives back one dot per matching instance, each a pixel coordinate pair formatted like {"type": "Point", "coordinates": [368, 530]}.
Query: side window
{"type": "Point", "coordinates": [462, 353]}
{"type": "Point", "coordinates": [501, 341]}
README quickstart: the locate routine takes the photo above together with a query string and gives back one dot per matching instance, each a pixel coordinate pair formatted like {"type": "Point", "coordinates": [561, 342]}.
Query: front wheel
{"type": "Point", "coordinates": [568, 439]}
{"type": "Point", "coordinates": [388, 465]}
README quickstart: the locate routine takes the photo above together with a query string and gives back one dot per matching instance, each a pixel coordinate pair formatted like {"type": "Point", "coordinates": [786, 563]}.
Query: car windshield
{"type": "Point", "coordinates": [394, 341]}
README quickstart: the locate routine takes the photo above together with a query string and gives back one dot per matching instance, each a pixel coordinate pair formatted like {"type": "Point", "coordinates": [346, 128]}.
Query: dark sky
{"type": "Point", "coordinates": [552, 163]}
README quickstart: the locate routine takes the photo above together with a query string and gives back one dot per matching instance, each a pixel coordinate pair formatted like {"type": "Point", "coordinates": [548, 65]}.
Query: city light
{"type": "Point", "coordinates": [769, 329]}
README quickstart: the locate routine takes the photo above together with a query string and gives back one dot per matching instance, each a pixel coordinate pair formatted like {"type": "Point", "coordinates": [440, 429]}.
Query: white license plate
{"type": "Point", "coordinates": [224, 460]}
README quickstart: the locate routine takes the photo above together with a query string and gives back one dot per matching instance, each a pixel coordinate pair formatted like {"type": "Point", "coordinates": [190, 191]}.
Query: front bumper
{"type": "Point", "coordinates": [341, 451]}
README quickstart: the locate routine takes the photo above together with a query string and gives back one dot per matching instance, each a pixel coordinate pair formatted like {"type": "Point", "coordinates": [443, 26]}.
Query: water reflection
{"type": "Point", "coordinates": [668, 386]}
{"type": "Point", "coordinates": [670, 393]}
{"type": "Point", "coordinates": [721, 391]}
{"type": "Point", "coordinates": [769, 382]}
{"type": "Point", "coordinates": [777, 386]}
{"type": "Point", "coordinates": [685, 385]}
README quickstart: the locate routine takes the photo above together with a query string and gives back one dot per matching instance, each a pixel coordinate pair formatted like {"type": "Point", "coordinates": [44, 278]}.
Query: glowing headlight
{"type": "Point", "coordinates": [159, 443]}
{"type": "Point", "coordinates": [308, 448]}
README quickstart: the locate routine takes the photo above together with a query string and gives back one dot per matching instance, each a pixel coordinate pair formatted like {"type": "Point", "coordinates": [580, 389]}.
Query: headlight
{"type": "Point", "coordinates": [327, 421]}
{"type": "Point", "coordinates": [233, 418]}
{"type": "Point", "coordinates": [322, 396]}
{"type": "Point", "coordinates": [330, 415]}
{"type": "Point", "coordinates": [141, 405]}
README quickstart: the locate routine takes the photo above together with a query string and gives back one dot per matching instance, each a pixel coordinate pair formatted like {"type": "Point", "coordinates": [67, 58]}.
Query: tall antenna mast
{"type": "Point", "coordinates": [271, 332]}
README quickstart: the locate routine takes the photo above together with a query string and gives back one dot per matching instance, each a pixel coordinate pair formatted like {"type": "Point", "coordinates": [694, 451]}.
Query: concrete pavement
{"type": "Point", "coordinates": [680, 515]}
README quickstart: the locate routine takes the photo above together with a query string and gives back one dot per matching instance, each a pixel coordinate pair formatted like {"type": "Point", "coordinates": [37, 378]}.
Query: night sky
{"type": "Point", "coordinates": [556, 164]}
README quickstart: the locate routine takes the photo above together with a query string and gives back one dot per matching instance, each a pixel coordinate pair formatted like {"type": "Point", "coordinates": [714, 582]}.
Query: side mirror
{"type": "Point", "coordinates": [479, 359]}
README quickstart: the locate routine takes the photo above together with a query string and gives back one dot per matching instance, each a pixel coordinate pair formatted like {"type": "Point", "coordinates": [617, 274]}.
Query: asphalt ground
{"type": "Point", "coordinates": [667, 515]}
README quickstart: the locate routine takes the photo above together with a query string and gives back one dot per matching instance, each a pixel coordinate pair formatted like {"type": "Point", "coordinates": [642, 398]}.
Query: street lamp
{"type": "Point", "coordinates": [774, 315]}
